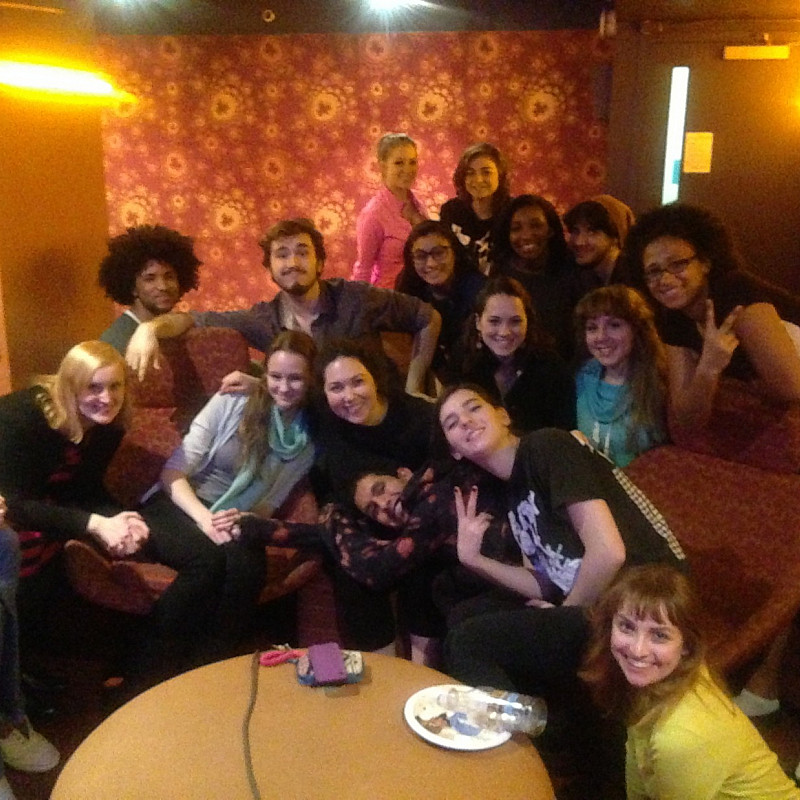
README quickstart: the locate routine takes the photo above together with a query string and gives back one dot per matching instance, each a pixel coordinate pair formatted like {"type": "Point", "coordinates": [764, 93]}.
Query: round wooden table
{"type": "Point", "coordinates": [183, 739]}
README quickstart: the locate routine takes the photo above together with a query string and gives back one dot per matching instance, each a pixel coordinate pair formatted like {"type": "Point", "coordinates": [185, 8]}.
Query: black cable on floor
{"type": "Point", "coordinates": [248, 754]}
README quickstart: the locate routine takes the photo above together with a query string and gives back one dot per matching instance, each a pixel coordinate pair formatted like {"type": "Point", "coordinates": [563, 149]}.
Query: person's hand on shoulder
{"type": "Point", "coordinates": [238, 382]}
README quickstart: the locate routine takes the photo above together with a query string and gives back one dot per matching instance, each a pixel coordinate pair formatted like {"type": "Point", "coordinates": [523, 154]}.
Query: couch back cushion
{"type": "Point", "coordinates": [740, 528]}
{"type": "Point", "coordinates": [747, 429]}
{"type": "Point", "coordinates": [166, 402]}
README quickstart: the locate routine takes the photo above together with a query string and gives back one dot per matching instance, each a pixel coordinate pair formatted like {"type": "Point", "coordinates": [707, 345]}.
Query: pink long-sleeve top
{"type": "Point", "coordinates": [381, 232]}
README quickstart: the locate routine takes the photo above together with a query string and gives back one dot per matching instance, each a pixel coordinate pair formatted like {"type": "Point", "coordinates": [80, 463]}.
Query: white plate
{"type": "Point", "coordinates": [429, 720]}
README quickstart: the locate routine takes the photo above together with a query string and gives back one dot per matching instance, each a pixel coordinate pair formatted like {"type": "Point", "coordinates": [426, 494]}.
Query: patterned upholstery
{"type": "Point", "coordinates": [740, 527]}
{"type": "Point", "coordinates": [164, 404]}
{"type": "Point", "coordinates": [747, 429]}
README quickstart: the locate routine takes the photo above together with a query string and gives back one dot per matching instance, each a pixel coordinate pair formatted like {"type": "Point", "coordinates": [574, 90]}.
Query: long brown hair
{"type": "Point", "coordinates": [647, 373]}
{"type": "Point", "coordinates": [59, 401]}
{"type": "Point", "coordinates": [255, 424]}
{"type": "Point", "coordinates": [665, 594]}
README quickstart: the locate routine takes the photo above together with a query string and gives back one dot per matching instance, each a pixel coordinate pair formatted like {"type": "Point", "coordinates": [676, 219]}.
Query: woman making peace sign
{"type": "Point", "coordinates": [715, 318]}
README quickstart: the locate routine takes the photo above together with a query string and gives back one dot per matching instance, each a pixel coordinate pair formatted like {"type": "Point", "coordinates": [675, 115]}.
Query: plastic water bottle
{"type": "Point", "coordinates": [496, 710]}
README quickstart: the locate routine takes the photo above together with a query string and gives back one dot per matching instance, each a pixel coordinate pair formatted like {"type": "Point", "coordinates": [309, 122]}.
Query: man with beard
{"type": "Point", "coordinates": [294, 254]}
{"type": "Point", "coordinates": [596, 232]}
{"type": "Point", "coordinates": [148, 268]}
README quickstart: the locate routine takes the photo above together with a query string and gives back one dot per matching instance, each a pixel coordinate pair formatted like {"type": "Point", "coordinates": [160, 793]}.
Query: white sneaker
{"type": "Point", "coordinates": [754, 705]}
{"type": "Point", "coordinates": [6, 793]}
{"type": "Point", "coordinates": [28, 753]}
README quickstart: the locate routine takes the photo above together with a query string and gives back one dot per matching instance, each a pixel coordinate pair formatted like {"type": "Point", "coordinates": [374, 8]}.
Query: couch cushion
{"type": "Point", "coordinates": [748, 429]}
{"type": "Point", "coordinates": [740, 528]}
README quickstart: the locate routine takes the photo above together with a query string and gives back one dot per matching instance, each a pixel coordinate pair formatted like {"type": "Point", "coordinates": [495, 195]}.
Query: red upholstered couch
{"type": "Point", "coordinates": [731, 493]}
{"type": "Point", "coordinates": [164, 404]}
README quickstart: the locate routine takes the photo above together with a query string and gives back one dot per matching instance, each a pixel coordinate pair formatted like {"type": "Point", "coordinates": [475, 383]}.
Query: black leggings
{"type": "Point", "coordinates": [366, 617]}
{"type": "Point", "coordinates": [538, 651]}
{"type": "Point", "coordinates": [217, 586]}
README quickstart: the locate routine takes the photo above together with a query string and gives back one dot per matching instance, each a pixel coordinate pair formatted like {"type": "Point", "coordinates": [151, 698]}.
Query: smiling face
{"type": "Point", "coordinates": [610, 341]}
{"type": "Point", "coordinates": [288, 378]}
{"type": "Point", "coordinates": [646, 649]}
{"type": "Point", "coordinates": [590, 246]}
{"type": "Point", "coordinates": [434, 259]}
{"type": "Point", "coordinates": [481, 179]}
{"type": "Point", "coordinates": [529, 233]}
{"type": "Point", "coordinates": [399, 168]}
{"type": "Point", "coordinates": [474, 428]}
{"type": "Point", "coordinates": [293, 264]}
{"type": "Point", "coordinates": [156, 290]}
{"type": "Point", "coordinates": [503, 325]}
{"type": "Point", "coordinates": [101, 401]}
{"type": "Point", "coordinates": [351, 392]}
{"type": "Point", "coordinates": [675, 276]}
{"type": "Point", "coordinates": [379, 498]}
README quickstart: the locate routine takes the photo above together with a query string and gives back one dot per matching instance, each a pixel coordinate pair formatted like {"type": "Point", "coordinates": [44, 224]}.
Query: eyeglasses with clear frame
{"type": "Point", "coordinates": [438, 254]}
{"type": "Point", "coordinates": [653, 275]}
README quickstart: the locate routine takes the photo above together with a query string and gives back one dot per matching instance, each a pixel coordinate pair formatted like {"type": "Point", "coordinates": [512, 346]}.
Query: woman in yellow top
{"type": "Point", "coordinates": [646, 664]}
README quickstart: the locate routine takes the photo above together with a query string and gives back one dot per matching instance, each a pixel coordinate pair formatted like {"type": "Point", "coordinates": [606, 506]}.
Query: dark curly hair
{"type": "Point", "coordinates": [130, 251]}
{"type": "Point", "coordinates": [502, 252]}
{"type": "Point", "coordinates": [408, 280]}
{"type": "Point", "coordinates": [706, 233]}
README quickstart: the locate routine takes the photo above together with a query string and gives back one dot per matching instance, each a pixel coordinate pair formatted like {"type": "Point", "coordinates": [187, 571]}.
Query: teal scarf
{"type": "Point", "coordinates": [251, 483]}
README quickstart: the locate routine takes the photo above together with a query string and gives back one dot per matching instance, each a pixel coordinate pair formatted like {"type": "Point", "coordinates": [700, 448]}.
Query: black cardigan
{"type": "Point", "coordinates": [31, 453]}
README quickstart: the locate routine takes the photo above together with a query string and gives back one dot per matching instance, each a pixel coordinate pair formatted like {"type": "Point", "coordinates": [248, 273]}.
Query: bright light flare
{"type": "Point", "coordinates": [387, 6]}
{"type": "Point", "coordinates": [57, 80]}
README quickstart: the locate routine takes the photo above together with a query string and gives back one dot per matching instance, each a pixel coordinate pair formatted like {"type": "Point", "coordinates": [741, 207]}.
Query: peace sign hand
{"type": "Point", "coordinates": [720, 342]}
{"type": "Point", "coordinates": [471, 526]}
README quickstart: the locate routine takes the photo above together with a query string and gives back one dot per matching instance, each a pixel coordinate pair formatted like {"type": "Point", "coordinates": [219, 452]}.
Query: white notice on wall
{"type": "Point", "coordinates": [697, 147]}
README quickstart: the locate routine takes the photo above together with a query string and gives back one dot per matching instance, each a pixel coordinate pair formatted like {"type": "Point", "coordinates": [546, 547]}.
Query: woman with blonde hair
{"type": "Point", "coordinates": [56, 441]}
{"type": "Point", "coordinates": [621, 385]}
{"type": "Point", "coordinates": [385, 222]}
{"type": "Point", "coordinates": [646, 664]}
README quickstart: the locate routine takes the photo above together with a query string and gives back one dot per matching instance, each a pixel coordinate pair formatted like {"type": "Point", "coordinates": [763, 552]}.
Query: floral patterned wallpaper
{"type": "Point", "coordinates": [231, 133]}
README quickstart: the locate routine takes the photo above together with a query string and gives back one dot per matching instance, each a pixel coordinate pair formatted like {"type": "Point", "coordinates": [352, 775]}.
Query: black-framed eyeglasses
{"type": "Point", "coordinates": [653, 275]}
{"type": "Point", "coordinates": [438, 254]}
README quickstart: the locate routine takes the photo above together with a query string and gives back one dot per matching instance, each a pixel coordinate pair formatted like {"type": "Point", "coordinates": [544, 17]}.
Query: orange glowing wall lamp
{"type": "Point", "coordinates": [35, 78]}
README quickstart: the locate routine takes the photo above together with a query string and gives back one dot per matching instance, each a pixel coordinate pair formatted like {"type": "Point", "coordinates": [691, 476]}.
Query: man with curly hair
{"type": "Point", "coordinates": [148, 268]}
{"type": "Point", "coordinates": [324, 308]}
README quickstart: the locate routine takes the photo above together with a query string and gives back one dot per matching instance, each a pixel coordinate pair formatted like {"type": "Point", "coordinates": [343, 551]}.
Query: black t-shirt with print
{"type": "Point", "coordinates": [552, 470]}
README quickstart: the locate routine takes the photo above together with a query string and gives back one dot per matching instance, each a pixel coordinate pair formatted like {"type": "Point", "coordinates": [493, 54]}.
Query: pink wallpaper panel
{"type": "Point", "coordinates": [231, 133]}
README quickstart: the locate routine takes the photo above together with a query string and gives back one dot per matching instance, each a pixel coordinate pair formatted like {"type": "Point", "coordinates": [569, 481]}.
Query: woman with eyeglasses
{"type": "Point", "coordinates": [438, 270]}
{"type": "Point", "coordinates": [716, 319]}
